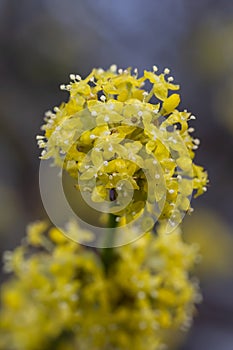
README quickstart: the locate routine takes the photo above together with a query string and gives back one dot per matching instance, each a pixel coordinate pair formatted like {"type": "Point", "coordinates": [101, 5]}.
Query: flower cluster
{"type": "Point", "coordinates": [127, 145]}
{"type": "Point", "coordinates": [60, 297]}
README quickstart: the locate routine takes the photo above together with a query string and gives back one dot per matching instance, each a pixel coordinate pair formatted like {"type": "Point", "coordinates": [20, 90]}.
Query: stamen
{"type": "Point", "coordinates": [103, 98]}
{"type": "Point", "coordinates": [72, 76]}
{"type": "Point", "coordinates": [113, 68]}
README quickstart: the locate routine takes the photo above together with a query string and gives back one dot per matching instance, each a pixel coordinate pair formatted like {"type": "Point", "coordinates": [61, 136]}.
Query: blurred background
{"type": "Point", "coordinates": [43, 41]}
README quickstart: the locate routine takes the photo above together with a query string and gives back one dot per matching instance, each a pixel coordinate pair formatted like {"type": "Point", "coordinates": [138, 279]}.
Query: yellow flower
{"type": "Point", "coordinates": [214, 237]}
{"type": "Point", "coordinates": [35, 231]}
{"type": "Point", "coordinates": [63, 298]}
{"type": "Point", "coordinates": [111, 132]}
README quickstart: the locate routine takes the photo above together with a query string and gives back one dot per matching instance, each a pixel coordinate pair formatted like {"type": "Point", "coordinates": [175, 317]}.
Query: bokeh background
{"type": "Point", "coordinates": [42, 41]}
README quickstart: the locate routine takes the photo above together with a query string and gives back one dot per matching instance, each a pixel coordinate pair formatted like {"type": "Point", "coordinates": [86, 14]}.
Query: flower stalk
{"type": "Point", "coordinates": [107, 254]}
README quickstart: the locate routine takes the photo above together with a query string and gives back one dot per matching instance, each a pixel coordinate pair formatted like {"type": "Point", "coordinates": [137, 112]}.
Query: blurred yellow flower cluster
{"type": "Point", "coordinates": [210, 231]}
{"type": "Point", "coordinates": [61, 298]}
{"type": "Point", "coordinates": [116, 137]}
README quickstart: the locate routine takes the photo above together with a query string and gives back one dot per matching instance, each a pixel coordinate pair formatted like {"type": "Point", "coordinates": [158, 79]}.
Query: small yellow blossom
{"type": "Point", "coordinates": [35, 232]}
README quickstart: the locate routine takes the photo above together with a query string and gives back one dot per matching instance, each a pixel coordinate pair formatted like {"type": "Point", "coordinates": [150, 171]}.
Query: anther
{"type": "Point", "coordinates": [93, 113]}
{"type": "Point", "coordinates": [72, 76]}
{"type": "Point", "coordinates": [113, 68]}
{"type": "Point", "coordinates": [103, 98]}
{"type": "Point", "coordinates": [166, 71]}
{"type": "Point", "coordinates": [191, 129]}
